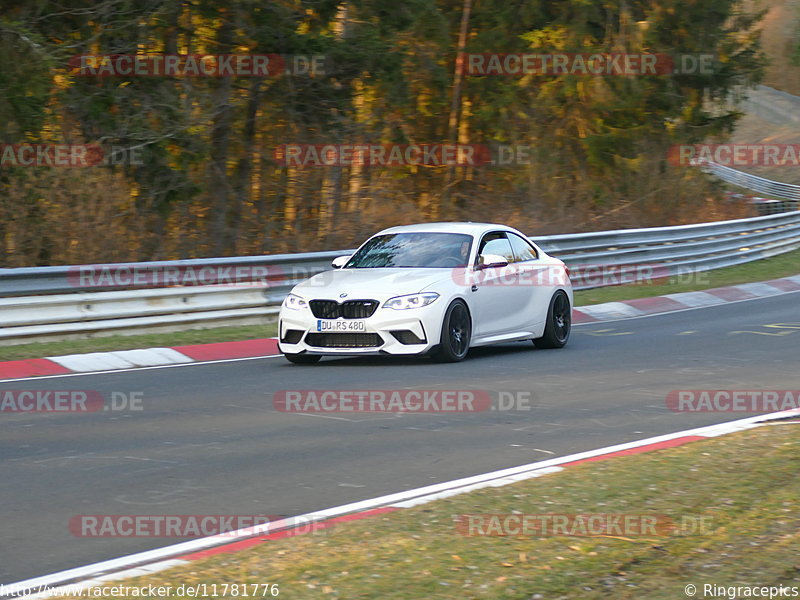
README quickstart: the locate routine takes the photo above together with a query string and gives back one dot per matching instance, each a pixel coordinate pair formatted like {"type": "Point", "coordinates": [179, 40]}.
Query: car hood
{"type": "Point", "coordinates": [377, 284]}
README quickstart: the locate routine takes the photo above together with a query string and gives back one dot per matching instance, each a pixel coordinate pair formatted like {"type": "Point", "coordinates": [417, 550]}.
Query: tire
{"type": "Point", "coordinates": [456, 333]}
{"type": "Point", "coordinates": [303, 359]}
{"type": "Point", "coordinates": [559, 322]}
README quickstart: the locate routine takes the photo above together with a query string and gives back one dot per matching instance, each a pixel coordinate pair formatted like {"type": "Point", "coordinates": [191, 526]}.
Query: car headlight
{"type": "Point", "coordinates": [295, 302]}
{"type": "Point", "coordinates": [411, 301]}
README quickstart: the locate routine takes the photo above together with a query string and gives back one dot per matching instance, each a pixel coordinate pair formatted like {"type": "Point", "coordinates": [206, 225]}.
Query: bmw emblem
{"type": "Point", "coordinates": [342, 295]}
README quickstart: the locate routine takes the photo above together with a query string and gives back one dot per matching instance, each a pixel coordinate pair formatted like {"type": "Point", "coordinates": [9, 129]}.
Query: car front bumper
{"type": "Point", "coordinates": [388, 331]}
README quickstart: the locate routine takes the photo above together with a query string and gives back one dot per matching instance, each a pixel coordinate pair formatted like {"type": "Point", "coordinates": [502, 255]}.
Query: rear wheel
{"type": "Point", "coordinates": [559, 322]}
{"type": "Point", "coordinates": [456, 333]}
{"type": "Point", "coordinates": [303, 359]}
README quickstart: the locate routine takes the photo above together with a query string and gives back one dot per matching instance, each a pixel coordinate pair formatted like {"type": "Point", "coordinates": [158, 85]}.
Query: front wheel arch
{"type": "Point", "coordinates": [558, 323]}
{"type": "Point", "coordinates": [456, 332]}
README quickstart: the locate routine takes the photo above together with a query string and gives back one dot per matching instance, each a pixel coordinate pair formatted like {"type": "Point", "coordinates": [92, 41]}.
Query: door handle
{"type": "Point", "coordinates": [474, 288]}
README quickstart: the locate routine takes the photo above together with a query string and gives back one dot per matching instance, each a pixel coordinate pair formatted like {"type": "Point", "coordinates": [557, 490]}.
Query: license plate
{"type": "Point", "coordinates": [340, 325]}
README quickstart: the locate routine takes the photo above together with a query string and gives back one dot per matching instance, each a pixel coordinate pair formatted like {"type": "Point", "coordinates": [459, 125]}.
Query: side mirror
{"type": "Point", "coordinates": [340, 261]}
{"type": "Point", "coordinates": [486, 261]}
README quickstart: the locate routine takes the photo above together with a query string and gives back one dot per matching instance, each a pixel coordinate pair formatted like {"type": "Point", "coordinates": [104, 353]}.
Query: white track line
{"type": "Point", "coordinates": [192, 364]}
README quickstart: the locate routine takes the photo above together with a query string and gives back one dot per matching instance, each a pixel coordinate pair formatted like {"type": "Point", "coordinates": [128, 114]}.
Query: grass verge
{"type": "Point", "coordinates": [784, 265]}
{"type": "Point", "coordinates": [131, 342]}
{"type": "Point", "coordinates": [744, 485]}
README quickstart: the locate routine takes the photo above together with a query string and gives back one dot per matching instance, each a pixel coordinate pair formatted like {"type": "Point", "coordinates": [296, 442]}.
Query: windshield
{"type": "Point", "coordinates": [421, 250]}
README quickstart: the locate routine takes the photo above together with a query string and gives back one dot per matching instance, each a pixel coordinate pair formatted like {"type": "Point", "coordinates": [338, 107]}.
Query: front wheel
{"type": "Point", "coordinates": [302, 359]}
{"type": "Point", "coordinates": [456, 333]}
{"type": "Point", "coordinates": [559, 321]}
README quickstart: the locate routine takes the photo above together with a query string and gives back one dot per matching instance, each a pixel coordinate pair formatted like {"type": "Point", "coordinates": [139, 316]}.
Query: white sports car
{"type": "Point", "coordinates": [433, 288]}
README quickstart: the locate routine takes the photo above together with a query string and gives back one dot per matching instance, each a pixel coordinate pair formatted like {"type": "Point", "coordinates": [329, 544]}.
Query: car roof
{"type": "Point", "coordinates": [469, 228]}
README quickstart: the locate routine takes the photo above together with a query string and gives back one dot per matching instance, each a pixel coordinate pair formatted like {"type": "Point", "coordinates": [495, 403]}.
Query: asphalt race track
{"type": "Point", "coordinates": [209, 441]}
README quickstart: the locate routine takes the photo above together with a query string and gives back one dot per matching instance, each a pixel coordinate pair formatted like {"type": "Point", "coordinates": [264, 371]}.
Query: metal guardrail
{"type": "Point", "coordinates": [600, 259]}
{"type": "Point", "coordinates": [776, 189]}
{"type": "Point", "coordinates": [58, 302]}
{"type": "Point", "coordinates": [106, 277]}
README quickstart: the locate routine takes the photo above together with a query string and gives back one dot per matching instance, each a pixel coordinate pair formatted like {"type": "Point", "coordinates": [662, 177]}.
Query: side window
{"type": "Point", "coordinates": [523, 251]}
{"type": "Point", "coordinates": [497, 243]}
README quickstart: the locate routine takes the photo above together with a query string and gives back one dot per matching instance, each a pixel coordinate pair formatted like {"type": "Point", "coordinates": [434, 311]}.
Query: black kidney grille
{"type": "Point", "coordinates": [325, 309]}
{"type": "Point", "coordinates": [344, 340]}
{"type": "Point", "coordinates": [358, 309]}
{"type": "Point", "coordinates": [352, 309]}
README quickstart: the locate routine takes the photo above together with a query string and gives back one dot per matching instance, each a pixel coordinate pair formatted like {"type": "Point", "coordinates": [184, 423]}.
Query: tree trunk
{"type": "Point", "coordinates": [455, 102]}
{"type": "Point", "coordinates": [242, 184]}
{"type": "Point", "coordinates": [220, 142]}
